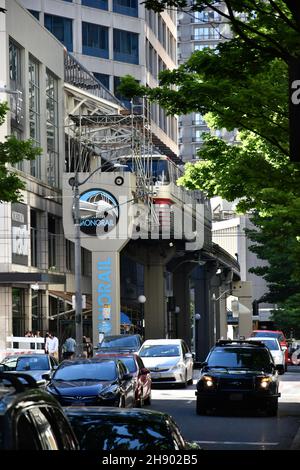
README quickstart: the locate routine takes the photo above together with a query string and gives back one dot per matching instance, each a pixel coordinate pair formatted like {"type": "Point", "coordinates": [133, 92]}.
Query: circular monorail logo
{"type": "Point", "coordinates": [99, 212]}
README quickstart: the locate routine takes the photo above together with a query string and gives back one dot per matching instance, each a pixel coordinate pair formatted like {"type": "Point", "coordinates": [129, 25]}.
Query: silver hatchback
{"type": "Point", "coordinates": [169, 361]}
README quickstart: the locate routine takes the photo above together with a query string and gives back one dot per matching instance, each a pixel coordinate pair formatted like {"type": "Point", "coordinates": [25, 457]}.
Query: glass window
{"type": "Point", "coordinates": [126, 7]}
{"type": "Point", "coordinates": [52, 242]}
{"type": "Point", "coordinates": [160, 350]}
{"type": "Point", "coordinates": [103, 78]}
{"type": "Point", "coordinates": [32, 363]}
{"type": "Point", "coordinates": [207, 33]}
{"type": "Point", "coordinates": [95, 40]}
{"type": "Point", "coordinates": [126, 47]}
{"type": "Point", "coordinates": [16, 104]}
{"type": "Point", "coordinates": [117, 342]}
{"type": "Point", "coordinates": [239, 358]}
{"type": "Point", "coordinates": [105, 371]}
{"type": "Point", "coordinates": [61, 28]}
{"type": "Point", "coordinates": [117, 94]}
{"type": "Point", "coordinates": [206, 16]}
{"type": "Point", "coordinates": [18, 312]}
{"type": "Point", "coordinates": [102, 4]}
{"type": "Point", "coordinates": [34, 112]}
{"type": "Point", "coordinates": [129, 363]}
{"type": "Point", "coordinates": [52, 167]}
{"type": "Point", "coordinates": [35, 13]}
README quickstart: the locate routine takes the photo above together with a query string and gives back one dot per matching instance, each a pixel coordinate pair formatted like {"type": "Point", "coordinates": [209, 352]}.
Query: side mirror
{"type": "Point", "coordinates": [46, 376]}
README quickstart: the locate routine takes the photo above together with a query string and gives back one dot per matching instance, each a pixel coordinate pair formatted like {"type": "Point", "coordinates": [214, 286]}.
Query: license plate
{"type": "Point", "coordinates": [236, 396]}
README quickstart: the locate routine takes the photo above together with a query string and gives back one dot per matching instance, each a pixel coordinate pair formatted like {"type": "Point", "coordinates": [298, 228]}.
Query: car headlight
{"type": "Point", "coordinates": [176, 367]}
{"type": "Point", "coordinates": [265, 382]}
{"type": "Point", "coordinates": [207, 381]}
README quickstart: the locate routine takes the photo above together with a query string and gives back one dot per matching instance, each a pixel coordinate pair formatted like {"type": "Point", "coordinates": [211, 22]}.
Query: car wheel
{"type": "Point", "coordinates": [272, 407]}
{"type": "Point", "coordinates": [200, 408]}
{"type": "Point", "coordinates": [147, 400]}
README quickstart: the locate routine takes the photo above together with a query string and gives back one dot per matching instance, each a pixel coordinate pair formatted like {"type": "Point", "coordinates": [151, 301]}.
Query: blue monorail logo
{"type": "Point", "coordinates": [99, 211]}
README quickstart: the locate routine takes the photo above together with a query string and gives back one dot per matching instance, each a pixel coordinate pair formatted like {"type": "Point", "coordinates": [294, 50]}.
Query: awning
{"type": "Point", "coordinates": [67, 297]}
{"type": "Point", "coordinates": [31, 278]}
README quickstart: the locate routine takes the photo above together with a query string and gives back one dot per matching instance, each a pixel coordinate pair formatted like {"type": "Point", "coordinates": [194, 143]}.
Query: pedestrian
{"type": "Point", "coordinates": [53, 346]}
{"type": "Point", "coordinates": [87, 347]}
{"type": "Point", "coordinates": [47, 338]}
{"type": "Point", "coordinates": [68, 348]}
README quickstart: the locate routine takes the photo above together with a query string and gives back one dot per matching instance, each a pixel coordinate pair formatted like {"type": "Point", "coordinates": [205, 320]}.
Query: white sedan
{"type": "Point", "coordinates": [169, 360]}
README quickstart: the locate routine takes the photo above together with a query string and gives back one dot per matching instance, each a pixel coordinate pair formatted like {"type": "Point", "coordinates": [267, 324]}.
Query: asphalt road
{"type": "Point", "coordinates": [235, 430]}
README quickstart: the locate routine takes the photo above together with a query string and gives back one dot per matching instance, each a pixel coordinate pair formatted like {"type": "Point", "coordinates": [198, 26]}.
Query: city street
{"type": "Point", "coordinates": [241, 431]}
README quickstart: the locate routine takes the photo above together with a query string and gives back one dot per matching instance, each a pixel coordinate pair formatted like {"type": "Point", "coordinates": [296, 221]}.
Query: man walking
{"type": "Point", "coordinates": [52, 344]}
{"type": "Point", "coordinates": [68, 348]}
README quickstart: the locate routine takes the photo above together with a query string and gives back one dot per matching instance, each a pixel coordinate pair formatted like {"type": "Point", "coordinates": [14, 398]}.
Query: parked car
{"type": "Point", "coordinates": [275, 334]}
{"type": "Point", "coordinates": [238, 373]}
{"type": "Point", "coordinates": [93, 382]}
{"type": "Point", "coordinates": [30, 418]}
{"type": "Point", "coordinates": [139, 372]}
{"type": "Point", "coordinates": [277, 353]}
{"type": "Point", "coordinates": [99, 428]}
{"type": "Point", "coordinates": [128, 343]}
{"type": "Point", "coordinates": [294, 352]}
{"type": "Point", "coordinates": [169, 360]}
{"type": "Point", "coordinates": [34, 364]}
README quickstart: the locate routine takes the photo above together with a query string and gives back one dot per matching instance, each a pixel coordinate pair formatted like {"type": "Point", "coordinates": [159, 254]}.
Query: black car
{"type": "Point", "coordinates": [93, 382]}
{"type": "Point", "coordinates": [98, 428]}
{"type": "Point", "coordinates": [238, 373]}
{"type": "Point", "coordinates": [120, 343]}
{"type": "Point", "coordinates": [30, 418]}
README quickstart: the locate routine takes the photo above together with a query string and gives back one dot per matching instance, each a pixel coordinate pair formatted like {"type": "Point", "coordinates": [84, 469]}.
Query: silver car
{"type": "Point", "coordinates": [35, 365]}
{"type": "Point", "coordinates": [275, 350]}
{"type": "Point", "coordinates": [169, 360]}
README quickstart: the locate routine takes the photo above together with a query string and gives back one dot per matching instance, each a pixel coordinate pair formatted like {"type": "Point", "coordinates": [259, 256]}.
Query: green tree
{"type": "Point", "coordinates": [243, 86]}
{"type": "Point", "coordinates": [13, 151]}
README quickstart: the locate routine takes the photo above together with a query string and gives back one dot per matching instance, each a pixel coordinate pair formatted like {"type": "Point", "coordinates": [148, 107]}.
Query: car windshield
{"type": "Point", "coordinates": [239, 358]}
{"type": "Point", "coordinates": [130, 342]}
{"type": "Point", "coordinates": [32, 363]}
{"type": "Point", "coordinates": [160, 350]}
{"type": "Point", "coordinates": [92, 371]}
{"type": "Point", "coordinates": [267, 334]}
{"type": "Point", "coordinates": [105, 433]}
{"type": "Point", "coordinates": [271, 343]}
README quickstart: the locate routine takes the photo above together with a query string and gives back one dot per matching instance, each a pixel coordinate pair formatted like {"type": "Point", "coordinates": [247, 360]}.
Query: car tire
{"type": "Point", "coordinates": [147, 401]}
{"type": "Point", "coordinates": [272, 407]}
{"type": "Point", "coordinates": [200, 407]}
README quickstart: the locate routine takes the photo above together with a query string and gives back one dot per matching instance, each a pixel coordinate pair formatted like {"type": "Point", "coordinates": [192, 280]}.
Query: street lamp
{"type": "Point", "coordinates": [142, 299]}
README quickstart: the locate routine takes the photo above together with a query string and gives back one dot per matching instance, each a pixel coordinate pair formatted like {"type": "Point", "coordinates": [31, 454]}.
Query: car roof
{"type": "Point", "coordinates": [108, 412]}
{"type": "Point", "coordinates": [251, 344]}
{"type": "Point", "coordinates": [120, 336]}
{"type": "Point", "coordinates": [114, 353]}
{"type": "Point", "coordinates": [268, 331]}
{"type": "Point", "coordinates": [162, 341]}
{"type": "Point", "coordinates": [92, 360]}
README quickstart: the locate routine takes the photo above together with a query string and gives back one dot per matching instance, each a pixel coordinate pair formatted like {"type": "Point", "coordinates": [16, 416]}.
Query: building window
{"type": "Point", "coordinates": [206, 16]}
{"type": "Point", "coordinates": [70, 256]}
{"type": "Point", "coordinates": [95, 40]}
{"type": "Point", "coordinates": [61, 28]}
{"type": "Point", "coordinates": [198, 135]}
{"type": "Point", "coordinates": [199, 120]}
{"type": "Point", "coordinates": [206, 33]}
{"type": "Point", "coordinates": [18, 312]}
{"type": "Point", "coordinates": [34, 112]}
{"type": "Point", "coordinates": [52, 242]}
{"type": "Point", "coordinates": [126, 7]}
{"type": "Point", "coordinates": [36, 311]}
{"type": "Point", "coordinates": [86, 265]}
{"type": "Point", "coordinates": [201, 47]}
{"type": "Point", "coordinates": [103, 78]}
{"type": "Point", "coordinates": [102, 4]}
{"type": "Point", "coordinates": [123, 100]}
{"type": "Point", "coordinates": [15, 83]}
{"type": "Point", "coordinates": [34, 237]}
{"type": "Point", "coordinates": [126, 46]}
{"type": "Point", "coordinates": [35, 13]}
{"type": "Point", "coordinates": [52, 129]}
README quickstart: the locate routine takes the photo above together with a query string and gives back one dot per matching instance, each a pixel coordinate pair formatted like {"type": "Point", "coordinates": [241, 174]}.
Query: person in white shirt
{"type": "Point", "coordinates": [52, 344]}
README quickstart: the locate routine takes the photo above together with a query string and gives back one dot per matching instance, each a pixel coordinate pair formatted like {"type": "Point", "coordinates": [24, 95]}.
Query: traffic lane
{"type": "Point", "coordinates": [234, 429]}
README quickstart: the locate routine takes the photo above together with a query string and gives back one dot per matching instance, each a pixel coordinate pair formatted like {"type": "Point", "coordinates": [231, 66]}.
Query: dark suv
{"type": "Point", "coordinates": [119, 343]}
{"type": "Point", "coordinates": [30, 418]}
{"type": "Point", "coordinates": [238, 373]}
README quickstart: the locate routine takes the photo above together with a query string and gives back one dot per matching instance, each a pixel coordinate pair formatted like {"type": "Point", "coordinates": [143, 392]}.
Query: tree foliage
{"type": "Point", "coordinates": [13, 151]}
{"type": "Point", "coordinates": [242, 85]}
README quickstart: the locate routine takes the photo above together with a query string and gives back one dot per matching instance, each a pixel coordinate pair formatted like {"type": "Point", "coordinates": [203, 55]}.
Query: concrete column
{"type": "Point", "coordinates": [222, 323]}
{"type": "Point", "coordinates": [155, 305]}
{"type": "Point", "coordinates": [28, 308]}
{"type": "Point", "coordinates": [202, 308]}
{"type": "Point", "coordinates": [5, 314]}
{"type": "Point", "coordinates": [181, 289]}
{"type": "Point", "coordinates": [243, 290]}
{"type": "Point", "coordinates": [106, 293]}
